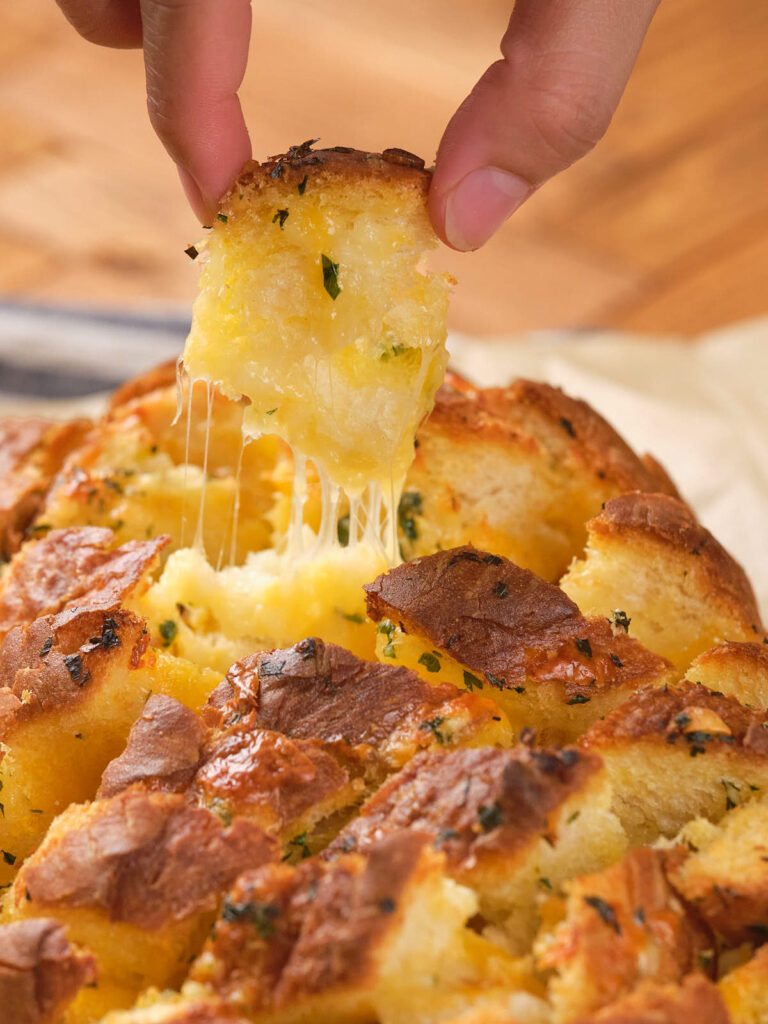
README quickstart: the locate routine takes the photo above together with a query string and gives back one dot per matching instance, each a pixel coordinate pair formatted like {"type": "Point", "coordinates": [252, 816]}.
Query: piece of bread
{"type": "Point", "coordinates": [137, 878]}
{"type": "Point", "coordinates": [695, 1001]}
{"type": "Point", "coordinates": [737, 669]}
{"type": "Point", "coordinates": [678, 753]}
{"type": "Point", "coordinates": [621, 928]}
{"type": "Point", "coordinates": [678, 589]}
{"type": "Point", "coordinates": [517, 471]}
{"type": "Point", "coordinates": [726, 877]}
{"type": "Point", "coordinates": [513, 824]}
{"type": "Point", "coordinates": [31, 452]}
{"type": "Point", "coordinates": [745, 990]}
{"type": "Point", "coordinates": [481, 622]}
{"type": "Point", "coordinates": [375, 936]}
{"type": "Point", "coordinates": [40, 971]}
{"type": "Point", "coordinates": [333, 238]}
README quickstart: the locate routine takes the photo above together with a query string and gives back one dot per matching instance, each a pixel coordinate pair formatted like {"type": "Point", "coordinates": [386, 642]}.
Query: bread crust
{"type": "Point", "coordinates": [56, 660]}
{"type": "Point", "coordinates": [508, 624]}
{"type": "Point", "coordinates": [473, 803]}
{"type": "Point", "coordinates": [695, 999]}
{"type": "Point", "coordinates": [318, 690]}
{"type": "Point", "coordinates": [40, 972]}
{"type": "Point", "coordinates": [340, 165]}
{"type": "Point", "coordinates": [145, 858]}
{"type": "Point", "coordinates": [74, 568]}
{"type": "Point", "coordinates": [663, 519]}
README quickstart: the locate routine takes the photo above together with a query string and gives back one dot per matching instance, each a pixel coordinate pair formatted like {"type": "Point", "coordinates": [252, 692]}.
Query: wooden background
{"type": "Point", "coordinates": [662, 228]}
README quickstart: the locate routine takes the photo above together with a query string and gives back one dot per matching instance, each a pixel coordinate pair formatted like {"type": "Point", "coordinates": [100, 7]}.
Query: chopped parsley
{"type": "Point", "coordinates": [330, 276]}
{"type": "Point", "coordinates": [300, 841]}
{"type": "Point", "coordinates": [387, 628]}
{"type": "Point", "coordinates": [410, 506]}
{"type": "Point", "coordinates": [351, 616]}
{"type": "Point", "coordinates": [495, 681]}
{"type": "Point", "coordinates": [168, 631]}
{"type": "Point", "coordinates": [433, 726]}
{"type": "Point", "coordinates": [342, 531]}
{"type": "Point", "coordinates": [605, 910]}
{"type": "Point", "coordinates": [387, 905]}
{"type": "Point", "coordinates": [271, 412]}
{"type": "Point", "coordinates": [583, 646]}
{"type": "Point", "coordinates": [490, 817]}
{"type": "Point", "coordinates": [500, 589]}
{"type": "Point", "coordinates": [222, 217]}
{"type": "Point", "coordinates": [261, 915]}
{"type": "Point", "coordinates": [300, 188]}
{"type": "Point", "coordinates": [192, 252]}
{"type": "Point", "coordinates": [545, 882]}
{"type": "Point", "coordinates": [620, 620]}
{"type": "Point", "coordinates": [579, 698]}
{"type": "Point", "coordinates": [9, 858]}
{"type": "Point", "coordinates": [567, 426]}
{"type": "Point", "coordinates": [431, 662]}
{"type": "Point", "coordinates": [472, 682]}
{"type": "Point", "coordinates": [282, 217]}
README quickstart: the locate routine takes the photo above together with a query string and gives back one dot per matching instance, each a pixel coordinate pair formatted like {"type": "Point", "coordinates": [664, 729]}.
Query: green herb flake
{"type": "Point", "coordinates": [472, 682]}
{"type": "Point", "coordinates": [500, 589]}
{"type": "Point", "coordinates": [433, 726]}
{"type": "Point", "coordinates": [350, 616]}
{"type": "Point", "coordinates": [300, 842]}
{"type": "Point", "coordinates": [222, 217]}
{"type": "Point", "coordinates": [261, 915]}
{"type": "Point", "coordinates": [583, 646]}
{"type": "Point", "coordinates": [168, 631]}
{"type": "Point", "coordinates": [410, 506]}
{"type": "Point", "coordinates": [579, 698]}
{"type": "Point", "coordinates": [572, 817]}
{"type": "Point", "coordinates": [330, 276]}
{"type": "Point", "coordinates": [430, 662]}
{"type": "Point", "coordinates": [620, 620]}
{"type": "Point", "coordinates": [342, 531]}
{"type": "Point", "coordinates": [271, 412]}
{"type": "Point", "coordinates": [387, 628]}
{"type": "Point", "coordinates": [301, 187]}
{"type": "Point", "coordinates": [9, 858]}
{"type": "Point", "coordinates": [545, 882]}
{"type": "Point", "coordinates": [489, 816]}
{"type": "Point", "coordinates": [192, 251]}
{"type": "Point", "coordinates": [605, 910]}
{"type": "Point", "coordinates": [282, 216]}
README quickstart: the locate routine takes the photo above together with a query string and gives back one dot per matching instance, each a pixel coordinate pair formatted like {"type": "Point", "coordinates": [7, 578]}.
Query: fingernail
{"type": "Point", "coordinates": [479, 205]}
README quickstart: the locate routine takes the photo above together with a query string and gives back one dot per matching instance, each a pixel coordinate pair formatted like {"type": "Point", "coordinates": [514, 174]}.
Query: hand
{"type": "Point", "coordinates": [535, 112]}
{"type": "Point", "coordinates": [195, 53]}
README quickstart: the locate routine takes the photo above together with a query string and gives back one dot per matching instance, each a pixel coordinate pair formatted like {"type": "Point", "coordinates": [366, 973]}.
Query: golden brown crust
{"type": "Point", "coordinates": [73, 568]}
{"type": "Point", "coordinates": [473, 802]}
{"type": "Point", "coordinates": [687, 715]}
{"type": "Point", "coordinates": [264, 775]}
{"type": "Point", "coordinates": [163, 750]}
{"type": "Point", "coordinates": [528, 410]}
{"type": "Point", "coordinates": [318, 690]}
{"type": "Point", "coordinates": [668, 521]}
{"type": "Point", "coordinates": [158, 377]}
{"type": "Point", "coordinates": [508, 624]}
{"type": "Point", "coordinates": [146, 858]}
{"type": "Point", "coordinates": [696, 1001]}
{"type": "Point", "coordinates": [31, 451]}
{"type": "Point", "coordinates": [40, 972]}
{"type": "Point", "coordinates": [623, 926]}
{"type": "Point", "coordinates": [327, 166]}
{"type": "Point", "coordinates": [288, 934]}
{"type": "Point", "coordinates": [749, 657]}
{"type": "Point", "coordinates": [55, 660]}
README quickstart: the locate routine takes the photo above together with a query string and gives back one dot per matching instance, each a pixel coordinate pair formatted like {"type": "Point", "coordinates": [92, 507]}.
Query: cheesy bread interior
{"type": "Point", "coordinates": [353, 695]}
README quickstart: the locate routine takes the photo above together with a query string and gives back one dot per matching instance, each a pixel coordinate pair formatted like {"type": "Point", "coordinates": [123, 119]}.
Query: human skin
{"type": "Point", "coordinates": [534, 112]}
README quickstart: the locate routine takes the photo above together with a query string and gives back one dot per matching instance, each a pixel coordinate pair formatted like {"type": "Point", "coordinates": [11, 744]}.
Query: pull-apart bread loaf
{"type": "Point", "coordinates": [331, 695]}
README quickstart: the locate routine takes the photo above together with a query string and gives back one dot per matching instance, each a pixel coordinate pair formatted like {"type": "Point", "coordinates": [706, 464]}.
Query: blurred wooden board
{"type": "Point", "coordinates": [661, 228]}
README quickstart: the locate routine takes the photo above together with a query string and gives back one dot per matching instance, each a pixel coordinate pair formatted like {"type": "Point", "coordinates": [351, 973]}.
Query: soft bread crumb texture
{"type": "Point", "coordinates": [314, 307]}
{"type": "Point", "coordinates": [682, 592]}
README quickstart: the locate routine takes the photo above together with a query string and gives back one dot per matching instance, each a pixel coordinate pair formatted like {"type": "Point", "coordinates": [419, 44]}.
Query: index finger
{"type": "Point", "coordinates": [195, 52]}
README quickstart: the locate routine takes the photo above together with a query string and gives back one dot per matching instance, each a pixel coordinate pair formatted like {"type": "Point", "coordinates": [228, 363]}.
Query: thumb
{"type": "Point", "coordinates": [539, 109]}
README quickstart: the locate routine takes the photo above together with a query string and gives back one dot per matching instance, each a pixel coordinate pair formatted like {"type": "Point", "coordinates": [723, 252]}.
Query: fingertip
{"type": "Point", "coordinates": [202, 210]}
{"type": "Point", "coordinates": [471, 211]}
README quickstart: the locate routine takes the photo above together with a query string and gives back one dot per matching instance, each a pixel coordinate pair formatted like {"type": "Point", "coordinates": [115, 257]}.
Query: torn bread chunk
{"type": "Point", "coordinates": [739, 670]}
{"type": "Point", "coordinates": [73, 683]}
{"type": "Point", "coordinates": [143, 473]}
{"type": "Point", "coordinates": [516, 470]}
{"type": "Point", "coordinates": [41, 972]}
{"type": "Point", "coordinates": [314, 306]}
{"type": "Point", "coordinates": [696, 999]}
{"type": "Point", "coordinates": [375, 936]}
{"type": "Point", "coordinates": [317, 690]}
{"type": "Point", "coordinates": [513, 824]}
{"type": "Point", "coordinates": [31, 452]}
{"type": "Point", "coordinates": [295, 739]}
{"type": "Point", "coordinates": [678, 753]}
{"type": "Point", "coordinates": [677, 589]}
{"type": "Point", "coordinates": [481, 622]}
{"type": "Point", "coordinates": [726, 876]}
{"type": "Point", "coordinates": [622, 927]}
{"type": "Point", "coordinates": [138, 878]}
{"type": "Point", "coordinates": [72, 568]}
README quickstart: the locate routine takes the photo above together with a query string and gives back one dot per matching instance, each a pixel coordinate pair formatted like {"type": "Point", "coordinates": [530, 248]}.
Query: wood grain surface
{"type": "Point", "coordinates": [662, 228]}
